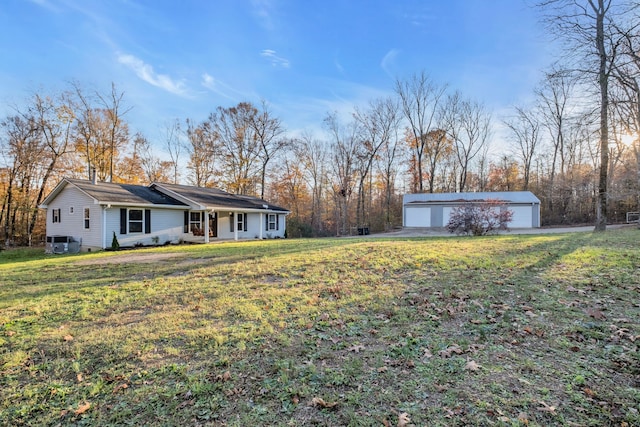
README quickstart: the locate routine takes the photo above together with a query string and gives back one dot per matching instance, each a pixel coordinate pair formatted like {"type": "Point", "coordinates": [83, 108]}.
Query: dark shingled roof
{"type": "Point", "coordinates": [213, 197]}
{"type": "Point", "coordinates": [108, 192]}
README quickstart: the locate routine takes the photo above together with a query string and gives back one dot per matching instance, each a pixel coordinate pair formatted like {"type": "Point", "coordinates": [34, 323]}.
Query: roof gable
{"type": "Point", "coordinates": [114, 193]}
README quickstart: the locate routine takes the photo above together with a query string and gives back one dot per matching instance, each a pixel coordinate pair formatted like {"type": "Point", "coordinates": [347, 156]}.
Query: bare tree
{"type": "Point", "coordinates": [22, 152]}
{"type": "Point", "coordinates": [53, 117]}
{"type": "Point", "coordinates": [269, 133]}
{"type": "Point", "coordinates": [588, 28]}
{"type": "Point", "coordinates": [102, 133]}
{"type": "Point", "coordinates": [389, 152]}
{"type": "Point", "coordinates": [312, 155]}
{"type": "Point", "coordinates": [627, 94]}
{"type": "Point", "coordinates": [174, 146]}
{"type": "Point", "coordinates": [345, 146]}
{"type": "Point", "coordinates": [420, 99]}
{"type": "Point", "coordinates": [525, 131]}
{"type": "Point", "coordinates": [203, 150]}
{"type": "Point", "coordinates": [469, 126]}
{"type": "Point", "coordinates": [117, 133]}
{"type": "Point", "coordinates": [154, 169]}
{"type": "Point", "coordinates": [379, 125]}
{"type": "Point", "coordinates": [240, 155]}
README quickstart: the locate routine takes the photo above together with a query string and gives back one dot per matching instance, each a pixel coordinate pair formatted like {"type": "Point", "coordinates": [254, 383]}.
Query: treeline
{"type": "Point", "coordinates": [575, 145]}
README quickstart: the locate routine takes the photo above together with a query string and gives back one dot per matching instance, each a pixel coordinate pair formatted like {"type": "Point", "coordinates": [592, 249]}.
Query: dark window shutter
{"type": "Point", "coordinates": [245, 221]}
{"type": "Point", "coordinates": [147, 221]}
{"type": "Point", "coordinates": [277, 222]}
{"type": "Point", "coordinates": [123, 221]}
{"type": "Point", "coordinates": [266, 222]}
{"type": "Point", "coordinates": [186, 222]}
{"type": "Point", "coordinates": [231, 220]}
{"type": "Point", "coordinates": [59, 215]}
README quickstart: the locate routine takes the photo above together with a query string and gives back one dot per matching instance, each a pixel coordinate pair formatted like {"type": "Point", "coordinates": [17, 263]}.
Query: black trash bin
{"type": "Point", "coordinates": [363, 231]}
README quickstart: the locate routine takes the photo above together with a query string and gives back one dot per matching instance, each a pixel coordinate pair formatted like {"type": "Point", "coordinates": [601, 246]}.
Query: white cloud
{"type": "Point", "coordinates": [146, 73]}
{"type": "Point", "coordinates": [262, 9]}
{"type": "Point", "coordinates": [216, 86]}
{"type": "Point", "coordinates": [388, 61]}
{"type": "Point", "coordinates": [276, 61]}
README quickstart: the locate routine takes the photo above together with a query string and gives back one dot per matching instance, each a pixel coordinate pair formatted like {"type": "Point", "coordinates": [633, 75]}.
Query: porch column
{"type": "Point", "coordinates": [104, 226]}
{"type": "Point", "coordinates": [235, 226]}
{"type": "Point", "coordinates": [261, 224]}
{"type": "Point", "coordinates": [206, 226]}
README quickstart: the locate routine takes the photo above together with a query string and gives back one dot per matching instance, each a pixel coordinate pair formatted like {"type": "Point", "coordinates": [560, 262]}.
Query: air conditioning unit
{"type": "Point", "coordinates": [62, 245]}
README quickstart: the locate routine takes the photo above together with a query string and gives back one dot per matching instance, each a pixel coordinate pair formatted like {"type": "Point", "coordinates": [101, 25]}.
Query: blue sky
{"type": "Point", "coordinates": [182, 59]}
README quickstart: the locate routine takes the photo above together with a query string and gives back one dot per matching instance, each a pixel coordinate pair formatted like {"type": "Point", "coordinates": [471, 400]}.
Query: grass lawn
{"type": "Point", "coordinates": [507, 330]}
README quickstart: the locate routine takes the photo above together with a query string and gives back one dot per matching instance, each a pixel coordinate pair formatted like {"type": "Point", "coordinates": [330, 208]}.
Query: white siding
{"type": "Point", "coordinates": [166, 225]}
{"type": "Point", "coordinates": [522, 217]}
{"type": "Point", "coordinates": [270, 234]}
{"type": "Point", "coordinates": [417, 216]}
{"type": "Point", "coordinates": [72, 224]}
{"type": "Point", "coordinates": [255, 227]}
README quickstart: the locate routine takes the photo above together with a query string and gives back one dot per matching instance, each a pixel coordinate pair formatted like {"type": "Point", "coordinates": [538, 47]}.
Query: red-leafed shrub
{"type": "Point", "coordinates": [480, 218]}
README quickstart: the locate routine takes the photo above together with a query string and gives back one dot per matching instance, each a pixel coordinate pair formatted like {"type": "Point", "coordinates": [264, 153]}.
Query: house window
{"type": "Point", "coordinates": [273, 221]}
{"type": "Point", "coordinates": [55, 215]}
{"type": "Point", "coordinates": [87, 215]}
{"type": "Point", "coordinates": [135, 220]}
{"type": "Point", "coordinates": [242, 222]}
{"type": "Point", "coordinates": [195, 223]}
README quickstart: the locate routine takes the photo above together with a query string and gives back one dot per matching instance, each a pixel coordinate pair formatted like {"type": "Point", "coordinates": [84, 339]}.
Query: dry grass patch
{"type": "Point", "coordinates": [507, 330]}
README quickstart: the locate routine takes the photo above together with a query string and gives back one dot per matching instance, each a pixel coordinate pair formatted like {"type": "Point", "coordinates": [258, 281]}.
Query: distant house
{"type": "Point", "coordinates": [90, 213]}
{"type": "Point", "coordinates": [434, 209]}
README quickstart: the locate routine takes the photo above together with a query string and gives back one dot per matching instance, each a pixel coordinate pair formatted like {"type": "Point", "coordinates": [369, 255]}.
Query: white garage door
{"type": "Point", "coordinates": [521, 217]}
{"type": "Point", "coordinates": [417, 216]}
{"type": "Point", "coordinates": [446, 215]}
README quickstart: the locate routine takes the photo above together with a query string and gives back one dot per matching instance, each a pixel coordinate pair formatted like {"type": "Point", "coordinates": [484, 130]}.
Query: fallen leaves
{"type": "Point", "coordinates": [523, 418]}
{"type": "Point", "coordinates": [546, 408]}
{"type": "Point", "coordinates": [320, 402]}
{"type": "Point", "coordinates": [82, 408]}
{"type": "Point", "coordinates": [67, 338]}
{"type": "Point", "coordinates": [120, 387]}
{"type": "Point", "coordinates": [403, 420]}
{"type": "Point", "coordinates": [595, 313]}
{"type": "Point", "coordinates": [223, 377]}
{"type": "Point", "coordinates": [472, 366]}
{"type": "Point", "coordinates": [589, 392]}
{"type": "Point", "coordinates": [449, 351]}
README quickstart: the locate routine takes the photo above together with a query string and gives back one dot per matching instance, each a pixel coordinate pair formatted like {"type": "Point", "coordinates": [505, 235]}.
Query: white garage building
{"type": "Point", "coordinates": [427, 210]}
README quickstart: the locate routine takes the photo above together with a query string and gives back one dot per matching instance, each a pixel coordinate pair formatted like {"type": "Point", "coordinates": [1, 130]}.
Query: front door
{"type": "Point", "coordinates": [213, 225]}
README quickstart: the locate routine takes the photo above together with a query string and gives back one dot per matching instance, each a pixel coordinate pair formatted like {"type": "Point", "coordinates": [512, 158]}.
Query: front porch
{"type": "Point", "coordinates": [204, 226]}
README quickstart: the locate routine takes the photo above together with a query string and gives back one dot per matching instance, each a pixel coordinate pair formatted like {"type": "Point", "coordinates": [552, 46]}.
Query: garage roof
{"type": "Point", "coordinates": [514, 197]}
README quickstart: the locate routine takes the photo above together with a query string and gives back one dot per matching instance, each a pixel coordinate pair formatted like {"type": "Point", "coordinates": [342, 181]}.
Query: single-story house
{"type": "Point", "coordinates": [427, 210]}
{"type": "Point", "coordinates": [90, 213]}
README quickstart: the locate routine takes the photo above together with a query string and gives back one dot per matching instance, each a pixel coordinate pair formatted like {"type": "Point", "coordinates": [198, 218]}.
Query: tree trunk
{"type": "Point", "coordinates": [603, 80]}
